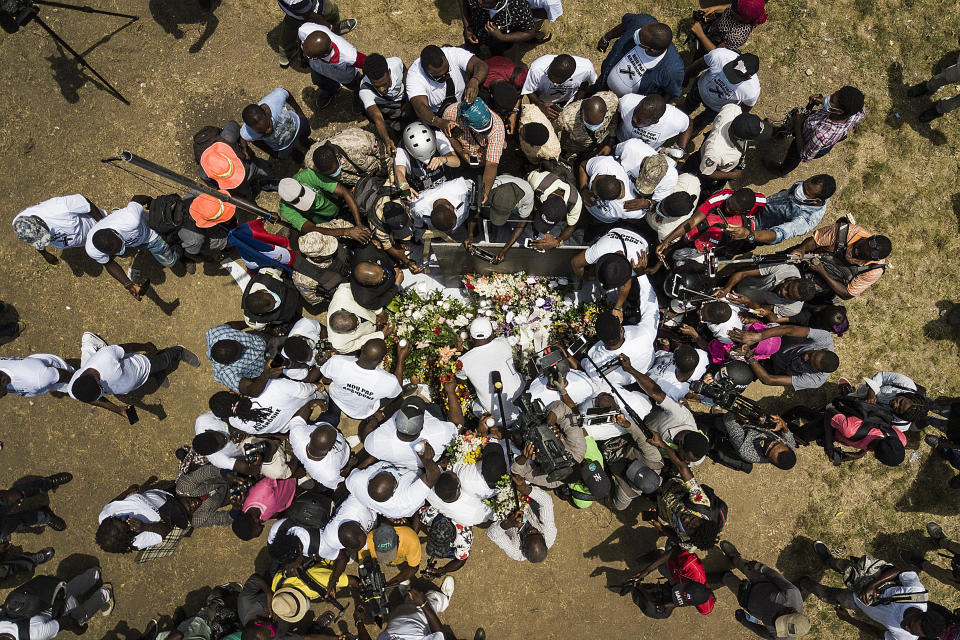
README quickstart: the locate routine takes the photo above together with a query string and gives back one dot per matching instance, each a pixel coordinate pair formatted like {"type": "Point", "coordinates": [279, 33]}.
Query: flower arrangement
{"type": "Point", "coordinates": [467, 447]}
{"type": "Point", "coordinates": [503, 502]}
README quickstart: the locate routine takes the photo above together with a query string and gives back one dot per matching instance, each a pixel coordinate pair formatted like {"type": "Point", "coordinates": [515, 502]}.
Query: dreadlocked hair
{"type": "Point", "coordinates": [918, 406]}
{"type": "Point", "coordinates": [226, 405]}
{"type": "Point", "coordinates": [706, 535]}
{"type": "Point", "coordinates": [114, 536]}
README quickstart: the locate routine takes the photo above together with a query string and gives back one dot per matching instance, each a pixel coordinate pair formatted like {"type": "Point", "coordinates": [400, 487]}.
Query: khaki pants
{"type": "Point", "coordinates": [349, 426]}
{"type": "Point", "coordinates": [950, 75]}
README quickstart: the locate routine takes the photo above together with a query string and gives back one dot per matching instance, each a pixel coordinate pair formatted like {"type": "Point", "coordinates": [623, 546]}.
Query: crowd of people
{"type": "Point", "coordinates": [349, 470]}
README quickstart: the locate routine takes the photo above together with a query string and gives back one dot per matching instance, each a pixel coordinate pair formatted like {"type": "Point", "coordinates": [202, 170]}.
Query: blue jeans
{"type": "Point", "coordinates": [162, 252]}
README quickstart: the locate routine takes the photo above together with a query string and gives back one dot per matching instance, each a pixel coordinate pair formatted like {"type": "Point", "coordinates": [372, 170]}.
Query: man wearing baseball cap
{"type": "Point", "coordinates": [654, 175]}
{"type": "Point", "coordinates": [62, 222]}
{"type": "Point", "coordinates": [307, 200]}
{"type": "Point", "coordinates": [557, 207]}
{"type": "Point", "coordinates": [511, 200]}
{"type": "Point", "coordinates": [398, 437]}
{"type": "Point", "coordinates": [727, 78]}
{"type": "Point", "coordinates": [723, 154]}
{"type": "Point", "coordinates": [481, 141]}
{"type": "Point", "coordinates": [619, 259]}
{"type": "Point", "coordinates": [394, 546]}
{"type": "Point", "coordinates": [489, 358]}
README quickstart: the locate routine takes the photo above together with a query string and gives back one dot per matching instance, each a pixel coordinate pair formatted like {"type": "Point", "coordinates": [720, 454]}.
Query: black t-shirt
{"type": "Point", "coordinates": [378, 295]}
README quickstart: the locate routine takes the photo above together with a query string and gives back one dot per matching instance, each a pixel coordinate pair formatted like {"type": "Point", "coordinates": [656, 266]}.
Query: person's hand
{"type": "Point", "coordinates": [359, 234]}
{"type": "Point", "coordinates": [448, 125]}
{"type": "Point", "coordinates": [413, 266]}
{"type": "Point", "coordinates": [416, 597]}
{"type": "Point", "coordinates": [639, 263]}
{"type": "Point", "coordinates": [816, 98]}
{"type": "Point", "coordinates": [500, 256]}
{"type": "Point", "coordinates": [389, 147]}
{"type": "Point", "coordinates": [522, 485]}
{"type": "Point", "coordinates": [50, 258]}
{"type": "Point", "coordinates": [656, 440]}
{"type": "Point", "coordinates": [748, 338]}
{"type": "Point", "coordinates": [697, 28]}
{"type": "Point", "coordinates": [588, 198]}
{"type": "Point", "coordinates": [871, 397]}
{"type": "Point", "coordinates": [515, 519]}
{"type": "Point", "coordinates": [136, 526]}
{"type": "Point", "coordinates": [470, 90]}
{"type": "Point", "coordinates": [779, 424]}
{"type": "Point", "coordinates": [739, 298]}
{"type": "Point", "coordinates": [688, 331]}
{"type": "Point", "coordinates": [404, 352]}
{"type": "Point", "coordinates": [661, 251]}
{"type": "Point", "coordinates": [272, 371]}
{"type": "Point", "coordinates": [398, 280]}
{"type": "Point", "coordinates": [549, 109]}
{"type": "Point", "coordinates": [468, 244]}
{"type": "Point", "coordinates": [636, 204]}
{"type": "Point", "coordinates": [136, 290]}
{"type": "Point", "coordinates": [530, 453]}
{"type": "Point", "coordinates": [625, 362]}
{"type": "Point", "coordinates": [602, 44]}
{"type": "Point", "coordinates": [358, 612]}
{"type": "Point", "coordinates": [436, 161]}
{"type": "Point", "coordinates": [546, 242]}
{"type": "Point", "coordinates": [737, 232]}
{"type": "Point", "coordinates": [469, 36]}
{"type": "Point", "coordinates": [449, 382]}
{"type": "Point", "coordinates": [414, 194]}
{"type": "Point", "coordinates": [428, 452]}
{"type": "Point", "coordinates": [382, 318]}
{"type": "Point", "coordinates": [493, 30]}
{"type": "Point", "coordinates": [617, 313]}
{"type": "Point", "coordinates": [842, 613]}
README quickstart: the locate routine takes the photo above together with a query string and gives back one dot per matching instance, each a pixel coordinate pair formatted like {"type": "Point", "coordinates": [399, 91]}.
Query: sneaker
{"type": "Point", "coordinates": [179, 615]}
{"type": "Point", "coordinates": [188, 357]}
{"type": "Point", "coordinates": [932, 440]}
{"type": "Point", "coordinates": [60, 479]}
{"type": "Point", "coordinates": [929, 115]}
{"type": "Point", "coordinates": [915, 560]}
{"type": "Point", "coordinates": [346, 26]}
{"type": "Point", "coordinates": [446, 587]}
{"type": "Point", "coordinates": [107, 608]}
{"type": "Point", "coordinates": [44, 555]}
{"type": "Point", "coordinates": [56, 522]}
{"type": "Point", "coordinates": [823, 551]}
{"type": "Point", "coordinates": [480, 634]}
{"type": "Point", "coordinates": [284, 61]}
{"type": "Point", "coordinates": [323, 101]}
{"type": "Point", "coordinates": [918, 90]}
{"type": "Point", "coordinates": [729, 550]}
{"type": "Point", "coordinates": [151, 631]}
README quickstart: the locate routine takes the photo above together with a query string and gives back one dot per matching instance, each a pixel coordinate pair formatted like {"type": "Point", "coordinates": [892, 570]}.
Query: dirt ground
{"type": "Point", "coordinates": [181, 71]}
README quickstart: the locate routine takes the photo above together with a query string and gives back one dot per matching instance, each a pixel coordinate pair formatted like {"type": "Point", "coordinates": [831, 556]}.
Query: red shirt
{"type": "Point", "coordinates": [847, 426]}
{"type": "Point", "coordinates": [686, 567]}
{"type": "Point", "coordinates": [503, 68]}
{"type": "Point", "coordinates": [708, 233]}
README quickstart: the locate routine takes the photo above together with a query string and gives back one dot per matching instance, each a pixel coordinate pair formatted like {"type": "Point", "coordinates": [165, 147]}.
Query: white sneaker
{"type": "Point", "coordinates": [446, 587]}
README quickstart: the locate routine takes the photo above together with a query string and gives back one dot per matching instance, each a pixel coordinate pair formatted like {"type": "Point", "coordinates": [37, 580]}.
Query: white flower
{"type": "Point", "coordinates": [513, 340]}
{"type": "Point", "coordinates": [488, 313]}
{"type": "Point", "coordinates": [463, 335]}
{"type": "Point", "coordinates": [563, 282]}
{"type": "Point", "coordinates": [552, 284]}
{"type": "Point", "coordinates": [509, 317]}
{"type": "Point", "coordinates": [540, 302]}
{"type": "Point", "coordinates": [407, 313]}
{"type": "Point", "coordinates": [531, 280]}
{"type": "Point", "coordinates": [445, 305]}
{"type": "Point", "coordinates": [461, 320]}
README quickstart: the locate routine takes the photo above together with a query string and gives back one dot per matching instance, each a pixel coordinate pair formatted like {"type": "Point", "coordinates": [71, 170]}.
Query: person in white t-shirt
{"type": "Point", "coordinates": [651, 42]}
{"type": "Point", "coordinates": [135, 520]}
{"type": "Point", "coordinates": [359, 387]}
{"type": "Point", "coordinates": [727, 77]}
{"type": "Point", "coordinates": [544, 13]}
{"type": "Point", "coordinates": [334, 62]}
{"type": "Point", "coordinates": [124, 229]}
{"type": "Point", "coordinates": [392, 491]}
{"type": "Point", "coordinates": [300, 350]}
{"type": "Point", "coordinates": [489, 356]}
{"type": "Point", "coordinates": [34, 375]}
{"type": "Point", "coordinates": [579, 387]}
{"type": "Point", "coordinates": [321, 448]}
{"type": "Point", "coordinates": [86, 594]}
{"type": "Point", "coordinates": [345, 535]}
{"type": "Point", "coordinates": [444, 207]}
{"type": "Point", "coordinates": [450, 499]}
{"type": "Point", "coordinates": [269, 412]}
{"type": "Point", "coordinates": [442, 76]}
{"type": "Point", "coordinates": [607, 190]}
{"type": "Point", "coordinates": [121, 369]}
{"type": "Point", "coordinates": [654, 175]}
{"type": "Point", "coordinates": [635, 342]}
{"type": "Point", "coordinates": [397, 439]}
{"type": "Point", "coordinates": [383, 95]}
{"type": "Point", "coordinates": [225, 448]}
{"type": "Point", "coordinates": [674, 371]}
{"type": "Point", "coordinates": [62, 222]}
{"type": "Point", "coordinates": [619, 258]}
{"type": "Point", "coordinates": [651, 119]}
{"type": "Point", "coordinates": [554, 81]}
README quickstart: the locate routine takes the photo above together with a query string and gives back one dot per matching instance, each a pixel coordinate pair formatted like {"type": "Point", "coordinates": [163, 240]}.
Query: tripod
{"type": "Point", "coordinates": [30, 11]}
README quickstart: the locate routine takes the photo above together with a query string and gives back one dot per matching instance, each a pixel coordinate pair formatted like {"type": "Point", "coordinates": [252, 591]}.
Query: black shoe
{"type": "Point", "coordinates": [60, 478]}
{"type": "Point", "coordinates": [346, 26]}
{"type": "Point", "coordinates": [323, 101]}
{"type": "Point", "coordinates": [929, 115]}
{"type": "Point", "coordinates": [954, 482]}
{"type": "Point", "coordinates": [189, 357]}
{"type": "Point", "coordinates": [480, 634]}
{"type": "Point", "coordinates": [932, 440]}
{"type": "Point", "coordinates": [806, 585]}
{"type": "Point", "coordinates": [729, 550]}
{"type": "Point", "coordinates": [56, 522]}
{"type": "Point", "coordinates": [179, 615]}
{"type": "Point", "coordinates": [150, 633]}
{"type": "Point", "coordinates": [823, 552]}
{"type": "Point", "coordinates": [915, 560]}
{"type": "Point", "coordinates": [935, 531]}
{"type": "Point", "coordinates": [918, 90]}
{"type": "Point", "coordinates": [273, 185]}
{"type": "Point", "coordinates": [44, 555]}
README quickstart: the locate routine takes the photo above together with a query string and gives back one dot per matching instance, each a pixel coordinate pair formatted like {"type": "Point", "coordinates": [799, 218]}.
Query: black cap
{"type": "Point", "coordinates": [889, 451]}
{"type": "Point", "coordinates": [742, 68]}
{"type": "Point", "coordinates": [613, 270]}
{"type": "Point", "coordinates": [677, 204]}
{"type": "Point", "coordinates": [608, 327]}
{"type": "Point", "coordinates": [492, 464]}
{"type": "Point", "coordinates": [595, 479]}
{"type": "Point", "coordinates": [504, 96]}
{"type": "Point", "coordinates": [534, 134]}
{"type": "Point", "coordinates": [748, 126]}
{"type": "Point", "coordinates": [550, 212]}
{"type": "Point", "coordinates": [397, 220]}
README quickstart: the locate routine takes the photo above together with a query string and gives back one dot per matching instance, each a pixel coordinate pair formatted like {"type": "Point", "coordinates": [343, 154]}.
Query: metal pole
{"type": "Point", "coordinates": [85, 9]}
{"type": "Point", "coordinates": [240, 203]}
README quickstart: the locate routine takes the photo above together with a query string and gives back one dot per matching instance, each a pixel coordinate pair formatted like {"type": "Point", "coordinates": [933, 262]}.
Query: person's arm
{"type": "Point", "coordinates": [517, 232]}
{"type": "Point", "coordinates": [680, 231]}
{"type": "Point", "coordinates": [705, 43]}
{"type": "Point", "coordinates": [376, 117]}
{"type": "Point", "coordinates": [477, 69]}
{"type": "Point", "coordinates": [682, 469]}
{"type": "Point", "coordinates": [751, 338]}
{"type": "Point", "coordinates": [769, 379]}
{"type": "Point", "coordinates": [839, 289]}
{"type": "Point", "coordinates": [549, 109]}
{"type": "Point", "coordinates": [579, 263]}
{"type": "Point", "coordinates": [469, 36]}
{"type": "Point", "coordinates": [489, 175]}
{"type": "Point", "coordinates": [347, 195]}
{"type": "Point", "coordinates": [659, 560]}
{"type": "Point", "coordinates": [406, 572]}
{"type": "Point", "coordinates": [736, 279]}
{"type": "Point", "coordinates": [512, 37]}
{"type": "Point", "coordinates": [421, 107]}
{"type": "Point", "coordinates": [103, 403]}
{"type": "Point", "coordinates": [609, 36]}
{"type": "Point", "coordinates": [454, 410]}
{"type": "Point", "coordinates": [254, 387]}
{"type": "Point", "coordinates": [471, 229]}
{"type": "Point", "coordinates": [95, 212]}
{"type": "Point", "coordinates": [421, 602]}
{"type": "Point", "coordinates": [622, 293]}
{"type": "Point", "coordinates": [120, 276]}
{"type": "Point", "coordinates": [138, 347]}
{"type": "Point", "coordinates": [431, 471]}
{"type": "Point", "coordinates": [646, 383]}
{"type": "Point", "coordinates": [402, 354]}
{"type": "Point", "coordinates": [260, 144]}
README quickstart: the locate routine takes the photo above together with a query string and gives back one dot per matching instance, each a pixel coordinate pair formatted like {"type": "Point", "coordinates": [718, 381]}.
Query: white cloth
{"type": "Point", "coordinates": [616, 240]}
{"type": "Point", "coordinates": [580, 388]}
{"type": "Point", "coordinates": [370, 96]}
{"type": "Point", "coordinates": [338, 65]}
{"type": "Point", "coordinates": [358, 391]}
{"type": "Point", "coordinates": [671, 123]}
{"type": "Point", "coordinates": [144, 507]}
{"type": "Point", "coordinates": [716, 91]}
{"type": "Point", "coordinates": [306, 328]}
{"type": "Point", "coordinates": [384, 444]}
{"type": "Point", "coordinates": [721, 330]}
{"type": "Point", "coordinates": [326, 471]}
{"type": "Point", "coordinates": [301, 533]}
{"type": "Point", "coordinates": [537, 513]}
{"type": "Point", "coordinates": [410, 494]}
{"type": "Point", "coordinates": [421, 84]}
{"type": "Point", "coordinates": [610, 210]}
{"type": "Point", "coordinates": [471, 480]}
{"type": "Point", "coordinates": [663, 371]}
{"type": "Point", "coordinates": [120, 372]}
{"type": "Point", "coordinates": [480, 362]}
{"type": "Point", "coordinates": [632, 154]}
{"type": "Point", "coordinates": [554, 8]}
{"type": "Point", "coordinates": [891, 615]}
{"type": "Point", "coordinates": [627, 73]}
{"type": "Point", "coordinates": [467, 509]}
{"type": "Point", "coordinates": [637, 345]}
{"type": "Point", "coordinates": [281, 398]}
{"type": "Point", "coordinates": [720, 151]}
{"type": "Point", "coordinates": [227, 457]}
{"type": "Point", "coordinates": [42, 627]}
{"type": "Point", "coordinates": [350, 510]}
{"type": "Point", "coordinates": [561, 94]}
{"type": "Point", "coordinates": [35, 374]}
{"type": "Point", "coordinates": [129, 222]}
{"type": "Point", "coordinates": [67, 218]}
{"type": "Point", "coordinates": [457, 192]}
{"type": "Point", "coordinates": [409, 622]}
{"type": "Point", "coordinates": [366, 330]}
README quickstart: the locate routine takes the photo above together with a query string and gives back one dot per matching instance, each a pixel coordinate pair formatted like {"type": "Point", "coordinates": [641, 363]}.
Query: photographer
{"type": "Point", "coordinates": [212, 486]}
{"type": "Point", "coordinates": [416, 619]}
{"type": "Point", "coordinates": [777, 291]}
{"type": "Point", "coordinates": [686, 586]}
{"type": "Point", "coordinates": [528, 532]}
{"type": "Point", "coordinates": [755, 443]}
{"type": "Point", "coordinates": [850, 259]}
{"type": "Point", "coordinates": [446, 540]}
{"type": "Point", "coordinates": [616, 340]}
{"type": "Point", "coordinates": [564, 423]}
{"type": "Point", "coordinates": [135, 520]}
{"type": "Point", "coordinates": [396, 547]}
{"type": "Point", "coordinates": [225, 448]}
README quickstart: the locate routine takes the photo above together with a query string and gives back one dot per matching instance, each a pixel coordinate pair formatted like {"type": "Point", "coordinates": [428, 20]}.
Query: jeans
{"type": "Point", "coordinates": [950, 75]}
{"type": "Point", "coordinates": [162, 252]}
{"type": "Point", "coordinates": [330, 87]}
{"type": "Point", "coordinates": [792, 160]}
{"type": "Point", "coordinates": [22, 520]}
{"type": "Point", "coordinates": [164, 359]}
{"type": "Point", "coordinates": [76, 588]}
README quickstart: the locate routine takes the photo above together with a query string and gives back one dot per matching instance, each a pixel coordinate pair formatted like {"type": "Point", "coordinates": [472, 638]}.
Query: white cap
{"type": "Point", "coordinates": [481, 328]}
{"type": "Point", "coordinates": [300, 196]}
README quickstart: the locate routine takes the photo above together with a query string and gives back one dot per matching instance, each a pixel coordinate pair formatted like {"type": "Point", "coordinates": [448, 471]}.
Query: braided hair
{"type": "Point", "coordinates": [114, 536]}
{"type": "Point", "coordinates": [918, 406]}
{"type": "Point", "coordinates": [226, 405]}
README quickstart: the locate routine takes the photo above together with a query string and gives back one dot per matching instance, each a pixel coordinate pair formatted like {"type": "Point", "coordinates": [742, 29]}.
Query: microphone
{"type": "Point", "coordinates": [497, 381]}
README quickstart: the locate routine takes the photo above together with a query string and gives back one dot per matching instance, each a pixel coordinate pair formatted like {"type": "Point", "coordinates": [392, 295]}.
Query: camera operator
{"type": "Point", "coordinates": [415, 619]}
{"type": "Point", "coordinates": [528, 532]}
{"type": "Point", "coordinates": [546, 386]}
{"type": "Point", "coordinates": [674, 422]}
{"type": "Point", "coordinates": [638, 472]}
{"type": "Point", "coordinates": [396, 547]}
{"type": "Point", "coordinates": [804, 361]}
{"type": "Point", "coordinates": [673, 371]}
{"type": "Point", "coordinates": [564, 423]}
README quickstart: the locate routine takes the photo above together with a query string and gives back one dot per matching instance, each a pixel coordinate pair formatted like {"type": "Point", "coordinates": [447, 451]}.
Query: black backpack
{"type": "Point", "coordinates": [873, 416]}
{"type": "Point", "coordinates": [167, 213]}
{"type": "Point", "coordinates": [39, 594]}
{"type": "Point", "coordinates": [203, 139]}
{"type": "Point", "coordinates": [310, 510]}
{"type": "Point", "coordinates": [368, 190]}
{"type": "Point", "coordinates": [717, 511]}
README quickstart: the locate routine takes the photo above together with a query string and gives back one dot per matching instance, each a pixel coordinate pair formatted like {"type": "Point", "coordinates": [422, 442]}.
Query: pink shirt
{"type": "Point", "coordinates": [848, 426]}
{"type": "Point", "coordinates": [270, 496]}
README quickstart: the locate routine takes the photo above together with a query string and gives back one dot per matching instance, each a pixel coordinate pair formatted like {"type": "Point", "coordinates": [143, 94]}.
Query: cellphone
{"type": "Point", "coordinates": [132, 416]}
{"type": "Point", "coordinates": [528, 244]}
{"type": "Point", "coordinates": [474, 161]}
{"type": "Point", "coordinates": [598, 416]}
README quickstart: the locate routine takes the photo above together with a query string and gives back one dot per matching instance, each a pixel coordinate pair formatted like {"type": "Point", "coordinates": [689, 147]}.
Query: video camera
{"type": "Point", "coordinates": [237, 491]}
{"type": "Point", "coordinates": [726, 389]}
{"type": "Point", "coordinates": [552, 456]}
{"type": "Point", "coordinates": [252, 450]}
{"type": "Point", "coordinates": [552, 364]}
{"type": "Point", "coordinates": [16, 13]}
{"type": "Point", "coordinates": [598, 415]}
{"type": "Point", "coordinates": [373, 590]}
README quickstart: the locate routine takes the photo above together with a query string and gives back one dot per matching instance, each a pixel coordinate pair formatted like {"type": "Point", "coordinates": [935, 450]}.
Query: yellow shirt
{"type": "Point", "coordinates": [408, 548]}
{"type": "Point", "coordinates": [319, 572]}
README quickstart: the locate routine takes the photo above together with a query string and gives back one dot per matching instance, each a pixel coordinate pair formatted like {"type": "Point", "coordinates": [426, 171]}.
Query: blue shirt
{"type": "Point", "coordinates": [250, 363]}
{"type": "Point", "coordinates": [286, 123]}
{"type": "Point", "coordinates": [665, 79]}
{"type": "Point", "coordinates": [787, 217]}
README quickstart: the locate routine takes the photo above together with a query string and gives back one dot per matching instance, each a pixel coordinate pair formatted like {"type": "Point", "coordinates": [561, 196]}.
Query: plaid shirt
{"type": "Point", "coordinates": [490, 142]}
{"type": "Point", "coordinates": [820, 132]}
{"type": "Point", "coordinates": [251, 361]}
